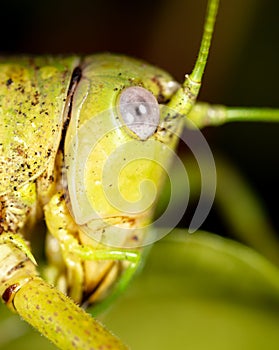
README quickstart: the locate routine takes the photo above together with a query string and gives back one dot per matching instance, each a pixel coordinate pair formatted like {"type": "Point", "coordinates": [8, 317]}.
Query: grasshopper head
{"type": "Point", "coordinates": [118, 147]}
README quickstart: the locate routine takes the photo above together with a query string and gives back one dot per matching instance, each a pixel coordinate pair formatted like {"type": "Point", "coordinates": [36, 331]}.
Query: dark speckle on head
{"type": "Point", "coordinates": [9, 82]}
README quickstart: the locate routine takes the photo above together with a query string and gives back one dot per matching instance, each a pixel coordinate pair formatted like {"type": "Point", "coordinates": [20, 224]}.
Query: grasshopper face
{"type": "Point", "coordinates": [118, 146]}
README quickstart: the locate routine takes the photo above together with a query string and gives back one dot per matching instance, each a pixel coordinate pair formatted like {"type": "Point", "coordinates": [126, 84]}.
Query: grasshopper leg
{"type": "Point", "coordinates": [51, 312]}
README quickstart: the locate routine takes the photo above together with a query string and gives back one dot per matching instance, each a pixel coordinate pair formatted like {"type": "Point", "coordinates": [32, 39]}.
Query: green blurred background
{"type": "Point", "coordinates": [188, 299]}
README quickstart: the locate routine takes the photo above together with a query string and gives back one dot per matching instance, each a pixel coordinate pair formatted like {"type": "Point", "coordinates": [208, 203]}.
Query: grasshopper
{"type": "Point", "coordinates": [62, 120]}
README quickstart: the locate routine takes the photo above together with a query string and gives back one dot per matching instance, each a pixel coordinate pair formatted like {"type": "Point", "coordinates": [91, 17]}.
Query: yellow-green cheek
{"type": "Point", "coordinates": [133, 183]}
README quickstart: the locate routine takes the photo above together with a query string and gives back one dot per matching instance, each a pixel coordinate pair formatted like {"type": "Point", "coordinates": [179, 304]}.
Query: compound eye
{"type": "Point", "coordinates": [139, 111]}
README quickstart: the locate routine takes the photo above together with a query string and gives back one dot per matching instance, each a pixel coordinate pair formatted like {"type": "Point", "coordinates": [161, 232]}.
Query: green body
{"type": "Point", "coordinates": [42, 101]}
{"type": "Point", "coordinates": [33, 95]}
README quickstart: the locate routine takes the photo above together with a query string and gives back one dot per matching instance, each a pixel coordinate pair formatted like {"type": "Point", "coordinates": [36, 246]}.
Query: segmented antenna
{"type": "Point", "coordinates": [185, 97]}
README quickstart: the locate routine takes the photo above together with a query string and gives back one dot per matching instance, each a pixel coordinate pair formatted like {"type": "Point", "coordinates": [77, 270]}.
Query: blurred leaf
{"type": "Point", "coordinates": [200, 292]}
